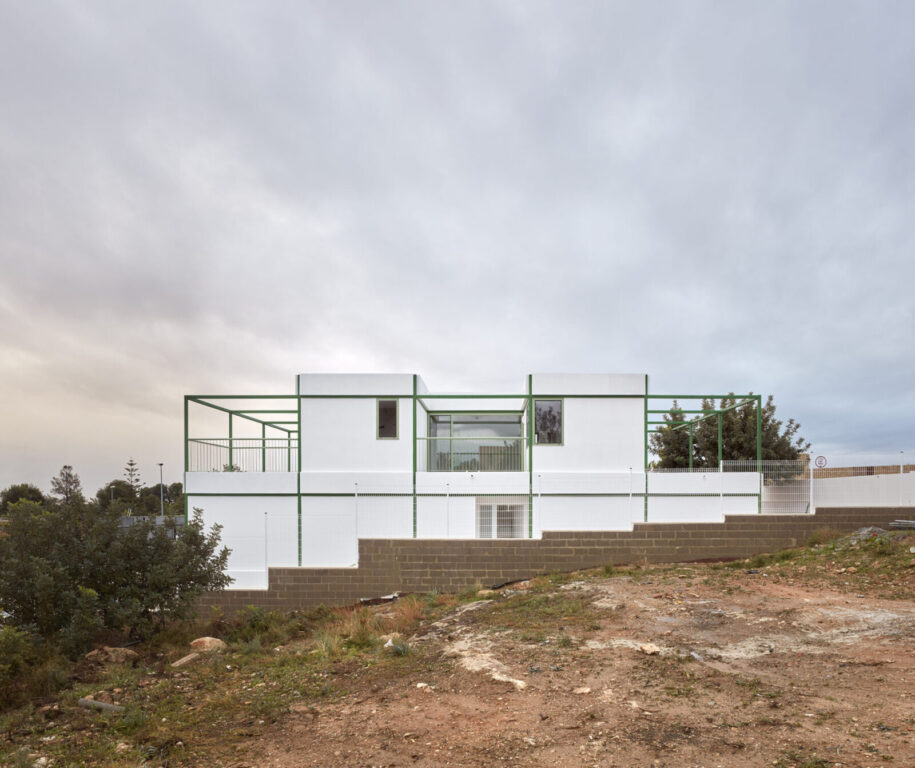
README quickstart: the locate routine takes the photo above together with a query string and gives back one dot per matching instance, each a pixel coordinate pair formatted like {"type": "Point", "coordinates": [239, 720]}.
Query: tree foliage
{"type": "Point", "coordinates": [67, 485]}
{"type": "Point", "coordinates": [780, 440]}
{"type": "Point", "coordinates": [18, 492]}
{"type": "Point", "coordinates": [68, 570]}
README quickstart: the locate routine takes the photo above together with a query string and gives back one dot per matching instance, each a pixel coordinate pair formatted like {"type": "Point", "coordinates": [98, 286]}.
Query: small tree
{"type": "Point", "coordinates": [19, 492]}
{"type": "Point", "coordinates": [67, 485]}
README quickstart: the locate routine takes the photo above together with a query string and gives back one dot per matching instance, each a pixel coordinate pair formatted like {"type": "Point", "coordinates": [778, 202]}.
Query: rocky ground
{"type": "Point", "coordinates": [802, 659]}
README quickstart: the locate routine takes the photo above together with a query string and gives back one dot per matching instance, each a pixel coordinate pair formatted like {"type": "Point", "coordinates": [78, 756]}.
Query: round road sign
{"type": "Point", "coordinates": [820, 461]}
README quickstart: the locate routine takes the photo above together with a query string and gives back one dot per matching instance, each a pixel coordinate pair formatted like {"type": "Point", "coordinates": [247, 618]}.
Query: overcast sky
{"type": "Point", "coordinates": [214, 196]}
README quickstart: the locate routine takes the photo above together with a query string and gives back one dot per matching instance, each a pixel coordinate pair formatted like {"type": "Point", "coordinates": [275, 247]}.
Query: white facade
{"type": "Point", "coordinates": [353, 456]}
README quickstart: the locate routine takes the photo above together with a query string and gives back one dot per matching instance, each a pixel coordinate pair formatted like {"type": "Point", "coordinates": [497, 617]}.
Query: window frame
{"type": "Point", "coordinates": [378, 402]}
{"type": "Point", "coordinates": [562, 420]}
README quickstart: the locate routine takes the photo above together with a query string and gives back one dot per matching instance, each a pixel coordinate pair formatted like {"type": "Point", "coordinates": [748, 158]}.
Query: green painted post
{"type": "Point", "coordinates": [298, 475]}
{"type": "Point", "coordinates": [719, 441]}
{"type": "Point", "coordinates": [759, 448]}
{"type": "Point", "coordinates": [530, 457]}
{"type": "Point", "coordinates": [414, 455]}
{"type": "Point", "coordinates": [263, 447]}
{"type": "Point", "coordinates": [645, 497]}
{"type": "Point", "coordinates": [691, 445]}
{"type": "Point", "coordinates": [231, 465]}
{"type": "Point", "coordinates": [186, 444]}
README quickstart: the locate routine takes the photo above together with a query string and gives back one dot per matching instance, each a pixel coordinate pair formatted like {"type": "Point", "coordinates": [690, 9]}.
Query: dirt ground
{"type": "Point", "coordinates": [744, 669]}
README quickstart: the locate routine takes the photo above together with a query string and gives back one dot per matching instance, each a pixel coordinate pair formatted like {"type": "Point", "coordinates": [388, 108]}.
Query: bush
{"type": "Point", "coordinates": [70, 570]}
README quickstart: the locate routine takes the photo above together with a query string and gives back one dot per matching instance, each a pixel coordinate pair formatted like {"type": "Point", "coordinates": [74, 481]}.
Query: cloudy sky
{"type": "Point", "coordinates": [213, 196]}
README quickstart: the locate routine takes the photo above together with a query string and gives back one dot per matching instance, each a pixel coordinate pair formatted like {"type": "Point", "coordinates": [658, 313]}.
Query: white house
{"type": "Point", "coordinates": [296, 480]}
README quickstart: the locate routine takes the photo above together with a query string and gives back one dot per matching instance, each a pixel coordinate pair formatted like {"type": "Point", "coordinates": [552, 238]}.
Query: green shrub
{"type": "Point", "coordinates": [69, 570]}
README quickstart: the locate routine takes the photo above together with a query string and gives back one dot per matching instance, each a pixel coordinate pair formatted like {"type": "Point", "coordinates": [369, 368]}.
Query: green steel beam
{"type": "Point", "coordinates": [700, 397]}
{"type": "Point", "coordinates": [719, 441]}
{"type": "Point", "coordinates": [530, 459]}
{"type": "Point", "coordinates": [414, 454]}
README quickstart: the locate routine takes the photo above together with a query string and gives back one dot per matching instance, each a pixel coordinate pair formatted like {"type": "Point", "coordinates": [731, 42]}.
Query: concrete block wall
{"type": "Point", "coordinates": [417, 565]}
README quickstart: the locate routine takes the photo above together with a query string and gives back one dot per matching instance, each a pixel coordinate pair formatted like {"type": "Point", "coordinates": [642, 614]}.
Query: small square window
{"type": "Point", "coordinates": [548, 422]}
{"type": "Point", "coordinates": [387, 419]}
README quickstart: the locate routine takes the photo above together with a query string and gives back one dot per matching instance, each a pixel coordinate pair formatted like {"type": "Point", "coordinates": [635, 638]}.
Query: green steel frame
{"type": "Point", "coordinates": [526, 409]}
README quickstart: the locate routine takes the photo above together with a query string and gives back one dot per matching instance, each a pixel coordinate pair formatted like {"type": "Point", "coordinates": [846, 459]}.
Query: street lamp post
{"type": "Point", "coordinates": [161, 493]}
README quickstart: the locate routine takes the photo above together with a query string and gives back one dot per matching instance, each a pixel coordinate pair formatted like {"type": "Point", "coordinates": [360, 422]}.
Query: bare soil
{"type": "Point", "coordinates": [747, 669]}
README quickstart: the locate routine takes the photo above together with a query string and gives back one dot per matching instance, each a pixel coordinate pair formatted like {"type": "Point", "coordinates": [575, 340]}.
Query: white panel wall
{"type": "Point", "coordinates": [588, 384]}
{"type": "Point", "coordinates": [240, 482]}
{"type": "Point", "coordinates": [871, 490]}
{"type": "Point", "coordinates": [258, 530]}
{"type": "Point", "coordinates": [438, 517]}
{"type": "Point", "coordinates": [589, 482]}
{"type": "Point", "coordinates": [364, 482]}
{"type": "Point", "coordinates": [384, 517]}
{"type": "Point", "coordinates": [703, 482]}
{"type": "Point", "coordinates": [480, 483]}
{"type": "Point", "coordinates": [329, 532]}
{"type": "Point", "coordinates": [568, 513]}
{"type": "Point", "coordinates": [598, 436]}
{"type": "Point", "coordinates": [342, 435]}
{"type": "Point", "coordinates": [356, 384]}
{"type": "Point", "coordinates": [698, 509]}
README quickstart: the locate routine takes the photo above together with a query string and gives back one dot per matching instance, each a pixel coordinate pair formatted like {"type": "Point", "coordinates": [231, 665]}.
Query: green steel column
{"type": "Point", "coordinates": [690, 445]}
{"type": "Point", "coordinates": [263, 447]}
{"type": "Point", "coordinates": [530, 458]}
{"type": "Point", "coordinates": [288, 452]}
{"type": "Point", "coordinates": [414, 455]}
{"type": "Point", "coordinates": [759, 449]}
{"type": "Point", "coordinates": [298, 474]}
{"type": "Point", "coordinates": [231, 462]}
{"type": "Point", "coordinates": [185, 459]}
{"type": "Point", "coordinates": [719, 440]}
{"type": "Point", "coordinates": [186, 446]}
{"type": "Point", "coordinates": [645, 497]}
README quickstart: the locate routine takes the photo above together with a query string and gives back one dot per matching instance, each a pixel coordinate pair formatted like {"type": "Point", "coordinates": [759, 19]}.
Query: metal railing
{"type": "Point", "coordinates": [470, 454]}
{"type": "Point", "coordinates": [243, 454]}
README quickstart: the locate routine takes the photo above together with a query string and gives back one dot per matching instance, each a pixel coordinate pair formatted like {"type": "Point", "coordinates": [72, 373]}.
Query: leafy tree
{"type": "Point", "coordinates": [670, 445]}
{"type": "Point", "coordinates": [69, 570]}
{"type": "Point", "coordinates": [67, 485]}
{"type": "Point", "coordinates": [780, 440]}
{"type": "Point", "coordinates": [19, 492]}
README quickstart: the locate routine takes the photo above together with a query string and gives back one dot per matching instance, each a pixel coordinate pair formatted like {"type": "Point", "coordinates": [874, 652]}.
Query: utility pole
{"type": "Point", "coordinates": [161, 493]}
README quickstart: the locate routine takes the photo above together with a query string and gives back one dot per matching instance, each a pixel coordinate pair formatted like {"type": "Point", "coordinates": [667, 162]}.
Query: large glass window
{"type": "Point", "coordinates": [476, 442]}
{"type": "Point", "coordinates": [387, 419]}
{"type": "Point", "coordinates": [548, 422]}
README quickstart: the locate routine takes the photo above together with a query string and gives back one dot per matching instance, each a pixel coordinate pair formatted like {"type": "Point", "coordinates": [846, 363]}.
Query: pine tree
{"type": "Point", "coordinates": [132, 473]}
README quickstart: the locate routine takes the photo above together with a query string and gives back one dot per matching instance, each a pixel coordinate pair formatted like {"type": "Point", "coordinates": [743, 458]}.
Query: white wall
{"type": "Point", "coordinates": [342, 435]}
{"type": "Point", "coordinates": [588, 482]}
{"type": "Point", "coordinates": [356, 384]}
{"type": "Point", "coordinates": [479, 483]}
{"type": "Point", "coordinates": [384, 517]}
{"type": "Point", "coordinates": [588, 384]}
{"type": "Point", "coordinates": [698, 509]}
{"type": "Point", "coordinates": [703, 482]}
{"type": "Point", "coordinates": [587, 513]}
{"type": "Point", "coordinates": [258, 530]}
{"type": "Point", "coordinates": [364, 482]}
{"type": "Point", "coordinates": [599, 435]}
{"type": "Point", "coordinates": [240, 482]}
{"type": "Point", "coordinates": [870, 490]}
{"type": "Point", "coordinates": [329, 532]}
{"type": "Point", "coordinates": [453, 517]}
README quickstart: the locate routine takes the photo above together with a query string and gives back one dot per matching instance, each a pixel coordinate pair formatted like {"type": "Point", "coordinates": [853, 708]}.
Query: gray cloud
{"type": "Point", "coordinates": [219, 195]}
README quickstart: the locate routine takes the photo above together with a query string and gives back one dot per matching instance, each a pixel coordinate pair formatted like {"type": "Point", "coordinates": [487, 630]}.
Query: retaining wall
{"type": "Point", "coordinates": [417, 565]}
